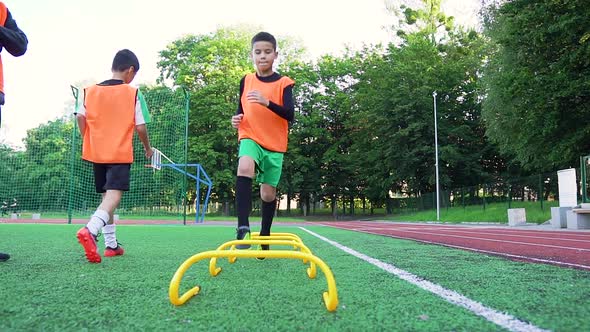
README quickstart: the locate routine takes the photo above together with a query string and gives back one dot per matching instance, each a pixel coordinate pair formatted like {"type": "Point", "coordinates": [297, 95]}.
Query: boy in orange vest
{"type": "Point", "coordinates": [112, 110]}
{"type": "Point", "coordinates": [15, 42]}
{"type": "Point", "coordinates": [262, 119]}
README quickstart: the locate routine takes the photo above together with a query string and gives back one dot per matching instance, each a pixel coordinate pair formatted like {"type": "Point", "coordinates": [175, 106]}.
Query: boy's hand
{"type": "Point", "coordinates": [255, 96]}
{"type": "Point", "coordinates": [236, 120]}
{"type": "Point", "coordinates": [149, 153]}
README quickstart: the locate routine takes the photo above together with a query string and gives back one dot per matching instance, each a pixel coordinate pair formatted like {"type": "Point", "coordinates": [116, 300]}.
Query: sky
{"type": "Point", "coordinates": [74, 41]}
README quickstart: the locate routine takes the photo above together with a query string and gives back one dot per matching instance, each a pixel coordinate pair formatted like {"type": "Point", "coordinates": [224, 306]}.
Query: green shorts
{"type": "Point", "coordinates": [269, 164]}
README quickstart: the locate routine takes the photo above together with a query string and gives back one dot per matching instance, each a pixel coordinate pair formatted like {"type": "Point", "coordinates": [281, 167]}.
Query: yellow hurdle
{"type": "Point", "coordinates": [278, 236]}
{"type": "Point", "coordinates": [214, 270]}
{"type": "Point", "coordinates": [330, 297]}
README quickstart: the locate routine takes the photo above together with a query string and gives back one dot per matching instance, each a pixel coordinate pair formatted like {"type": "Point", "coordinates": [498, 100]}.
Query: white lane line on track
{"type": "Point", "coordinates": [506, 321]}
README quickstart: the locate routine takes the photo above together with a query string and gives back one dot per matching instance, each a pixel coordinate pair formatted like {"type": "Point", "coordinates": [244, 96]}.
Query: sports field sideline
{"type": "Point", "coordinates": [383, 283]}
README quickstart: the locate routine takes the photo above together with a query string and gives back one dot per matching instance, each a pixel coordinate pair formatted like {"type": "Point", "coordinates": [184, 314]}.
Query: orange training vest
{"type": "Point", "coordinates": [110, 119]}
{"type": "Point", "coordinates": [3, 17]}
{"type": "Point", "coordinates": [260, 123]}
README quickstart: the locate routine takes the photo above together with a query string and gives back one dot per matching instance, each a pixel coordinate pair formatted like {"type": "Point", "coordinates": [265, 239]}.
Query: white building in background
{"type": "Point", "coordinates": [283, 203]}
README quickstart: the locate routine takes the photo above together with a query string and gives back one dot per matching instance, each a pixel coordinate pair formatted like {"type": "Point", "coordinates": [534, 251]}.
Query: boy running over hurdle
{"type": "Point", "coordinates": [262, 119]}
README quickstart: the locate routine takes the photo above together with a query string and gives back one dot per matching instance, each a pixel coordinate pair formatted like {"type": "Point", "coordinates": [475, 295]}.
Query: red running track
{"type": "Point", "coordinates": [563, 248]}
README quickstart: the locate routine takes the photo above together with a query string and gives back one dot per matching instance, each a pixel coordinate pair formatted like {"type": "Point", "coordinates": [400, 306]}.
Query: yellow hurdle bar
{"type": "Point", "coordinates": [296, 245]}
{"type": "Point", "coordinates": [278, 236]}
{"type": "Point", "coordinates": [214, 270]}
{"type": "Point", "coordinates": [330, 297]}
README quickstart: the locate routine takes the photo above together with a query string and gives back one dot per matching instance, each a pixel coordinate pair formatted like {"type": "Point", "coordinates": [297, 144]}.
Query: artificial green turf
{"type": "Point", "coordinates": [548, 296]}
{"type": "Point", "coordinates": [48, 285]}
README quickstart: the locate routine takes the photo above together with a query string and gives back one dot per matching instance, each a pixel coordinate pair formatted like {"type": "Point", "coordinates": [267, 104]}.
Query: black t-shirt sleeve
{"type": "Point", "coordinates": [240, 109]}
{"type": "Point", "coordinates": [12, 38]}
{"type": "Point", "coordinates": [287, 111]}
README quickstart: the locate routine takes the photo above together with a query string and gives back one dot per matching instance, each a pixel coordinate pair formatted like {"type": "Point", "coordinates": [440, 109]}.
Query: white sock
{"type": "Point", "coordinates": [97, 221]}
{"type": "Point", "coordinates": [110, 238]}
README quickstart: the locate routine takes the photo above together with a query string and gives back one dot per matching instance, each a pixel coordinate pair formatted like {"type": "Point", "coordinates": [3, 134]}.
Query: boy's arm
{"type": "Point", "coordinates": [142, 116]}
{"type": "Point", "coordinates": [80, 113]}
{"type": "Point", "coordinates": [145, 140]}
{"type": "Point", "coordinates": [240, 109]}
{"type": "Point", "coordinates": [287, 111]}
{"type": "Point", "coordinates": [237, 118]}
{"type": "Point", "coordinates": [12, 38]}
{"type": "Point", "coordinates": [81, 119]}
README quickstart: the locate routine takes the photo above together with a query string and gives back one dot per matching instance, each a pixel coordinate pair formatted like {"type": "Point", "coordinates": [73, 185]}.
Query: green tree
{"type": "Point", "coordinates": [427, 17]}
{"type": "Point", "coordinates": [301, 168]}
{"type": "Point", "coordinates": [47, 151]}
{"type": "Point", "coordinates": [11, 172]}
{"type": "Point", "coordinates": [537, 80]}
{"type": "Point", "coordinates": [395, 117]}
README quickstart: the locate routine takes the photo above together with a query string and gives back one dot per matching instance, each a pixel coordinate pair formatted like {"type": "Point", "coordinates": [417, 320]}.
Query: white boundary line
{"type": "Point", "coordinates": [504, 320]}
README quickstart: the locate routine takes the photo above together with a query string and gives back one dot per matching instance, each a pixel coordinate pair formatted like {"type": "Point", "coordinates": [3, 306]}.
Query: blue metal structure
{"type": "Point", "coordinates": [200, 177]}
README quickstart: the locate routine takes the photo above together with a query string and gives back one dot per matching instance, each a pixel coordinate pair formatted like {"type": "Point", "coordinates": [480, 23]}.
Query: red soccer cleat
{"type": "Point", "coordinates": [88, 242]}
{"type": "Point", "coordinates": [111, 252]}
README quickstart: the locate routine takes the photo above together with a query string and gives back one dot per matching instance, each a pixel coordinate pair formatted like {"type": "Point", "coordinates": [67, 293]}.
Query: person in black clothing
{"type": "Point", "coordinates": [13, 40]}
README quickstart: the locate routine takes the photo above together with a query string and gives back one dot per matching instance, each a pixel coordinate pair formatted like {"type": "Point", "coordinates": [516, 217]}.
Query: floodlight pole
{"type": "Point", "coordinates": [436, 159]}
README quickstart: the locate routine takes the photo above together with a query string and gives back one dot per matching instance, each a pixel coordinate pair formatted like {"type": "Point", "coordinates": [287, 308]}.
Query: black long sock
{"type": "Point", "coordinates": [243, 200]}
{"type": "Point", "coordinates": [268, 213]}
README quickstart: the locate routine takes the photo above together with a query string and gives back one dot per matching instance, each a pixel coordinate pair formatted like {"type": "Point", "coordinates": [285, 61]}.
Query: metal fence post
{"type": "Point", "coordinates": [541, 191]}
{"type": "Point", "coordinates": [509, 196]}
{"type": "Point", "coordinates": [483, 196]}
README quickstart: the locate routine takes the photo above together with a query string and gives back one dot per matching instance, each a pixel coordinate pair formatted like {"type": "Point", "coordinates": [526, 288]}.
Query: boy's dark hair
{"type": "Point", "coordinates": [123, 60]}
{"type": "Point", "coordinates": [265, 36]}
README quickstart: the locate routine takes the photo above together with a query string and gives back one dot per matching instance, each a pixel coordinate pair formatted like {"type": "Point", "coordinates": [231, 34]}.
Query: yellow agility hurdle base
{"type": "Point", "coordinates": [228, 250]}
